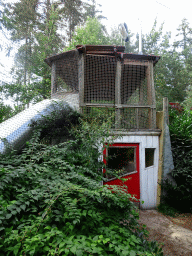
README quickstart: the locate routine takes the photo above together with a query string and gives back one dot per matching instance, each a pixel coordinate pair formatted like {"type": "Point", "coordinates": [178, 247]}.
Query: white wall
{"type": "Point", "coordinates": [148, 176]}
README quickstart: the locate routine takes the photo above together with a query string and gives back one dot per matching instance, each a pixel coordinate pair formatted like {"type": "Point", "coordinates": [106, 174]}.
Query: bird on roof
{"type": "Point", "coordinates": [124, 31]}
{"type": "Point", "coordinates": [126, 28]}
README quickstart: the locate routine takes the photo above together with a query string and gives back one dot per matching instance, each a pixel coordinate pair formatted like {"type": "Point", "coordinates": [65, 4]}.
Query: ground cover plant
{"type": "Point", "coordinates": [53, 202]}
{"type": "Point", "coordinates": [179, 196]}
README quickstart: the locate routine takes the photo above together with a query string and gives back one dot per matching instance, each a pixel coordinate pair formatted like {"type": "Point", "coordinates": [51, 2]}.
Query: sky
{"type": "Point", "coordinates": [134, 13]}
{"type": "Point", "coordinates": [170, 12]}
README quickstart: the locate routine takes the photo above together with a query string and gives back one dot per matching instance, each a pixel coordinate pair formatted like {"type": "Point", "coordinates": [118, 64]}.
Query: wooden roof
{"type": "Point", "coordinates": [116, 51]}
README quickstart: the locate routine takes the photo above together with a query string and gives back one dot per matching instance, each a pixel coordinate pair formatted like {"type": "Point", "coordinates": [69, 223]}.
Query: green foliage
{"type": "Point", "coordinates": [91, 33]}
{"type": "Point", "coordinates": [185, 34]}
{"type": "Point", "coordinates": [179, 195]}
{"type": "Point", "coordinates": [172, 74]}
{"type": "Point", "coordinates": [5, 112]}
{"type": "Point", "coordinates": [152, 41]}
{"type": "Point", "coordinates": [52, 201]}
{"type": "Point", "coordinates": [188, 100]}
{"type": "Point", "coordinates": [92, 10]}
{"type": "Point", "coordinates": [57, 126]}
{"type": "Point", "coordinates": [181, 124]}
{"type": "Point", "coordinates": [166, 209]}
{"type": "Point", "coordinates": [40, 37]}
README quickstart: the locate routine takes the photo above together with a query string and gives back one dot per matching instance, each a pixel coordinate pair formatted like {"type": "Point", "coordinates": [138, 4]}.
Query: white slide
{"type": "Point", "coordinates": [16, 130]}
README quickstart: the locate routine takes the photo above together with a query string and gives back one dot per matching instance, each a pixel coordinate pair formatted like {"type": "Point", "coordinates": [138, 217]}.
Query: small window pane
{"type": "Point", "coordinates": [122, 160]}
{"type": "Point", "coordinates": [149, 157]}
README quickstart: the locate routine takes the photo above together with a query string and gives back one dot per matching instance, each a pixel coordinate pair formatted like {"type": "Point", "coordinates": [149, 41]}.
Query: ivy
{"type": "Point", "coordinates": [52, 201]}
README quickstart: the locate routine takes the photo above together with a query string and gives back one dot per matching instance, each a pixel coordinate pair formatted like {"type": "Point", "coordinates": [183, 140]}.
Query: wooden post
{"type": "Point", "coordinates": [141, 101]}
{"type": "Point", "coordinates": [162, 120]}
{"type": "Point", "coordinates": [81, 82]}
{"type": "Point", "coordinates": [137, 118]}
{"type": "Point", "coordinates": [53, 79]}
{"type": "Point", "coordinates": [160, 125]}
{"type": "Point", "coordinates": [151, 96]}
{"type": "Point", "coordinates": [153, 100]}
{"type": "Point", "coordinates": [166, 110]}
{"type": "Point", "coordinates": [118, 95]}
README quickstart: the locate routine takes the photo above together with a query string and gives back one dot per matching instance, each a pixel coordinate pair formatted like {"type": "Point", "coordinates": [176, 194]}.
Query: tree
{"type": "Point", "coordinates": [185, 33]}
{"type": "Point", "coordinates": [188, 100]}
{"type": "Point", "coordinates": [23, 19]}
{"type": "Point", "coordinates": [92, 11]}
{"type": "Point", "coordinates": [171, 77]}
{"type": "Point", "coordinates": [184, 47]}
{"type": "Point", "coordinates": [170, 74]}
{"type": "Point", "coordinates": [38, 35]}
{"type": "Point", "coordinates": [73, 15]}
{"type": "Point", "coordinates": [5, 112]}
{"type": "Point", "coordinates": [41, 27]}
{"type": "Point", "coordinates": [92, 32]}
{"type": "Point", "coordinates": [151, 41]}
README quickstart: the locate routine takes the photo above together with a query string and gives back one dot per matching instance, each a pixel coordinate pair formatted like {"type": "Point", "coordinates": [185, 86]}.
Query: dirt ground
{"type": "Point", "coordinates": [175, 233]}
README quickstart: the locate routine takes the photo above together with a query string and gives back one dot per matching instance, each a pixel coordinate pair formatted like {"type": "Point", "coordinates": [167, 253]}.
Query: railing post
{"type": "Point", "coordinates": [166, 110]}
{"type": "Point", "coordinates": [118, 95]}
{"type": "Point", "coordinates": [81, 82]}
{"type": "Point", "coordinates": [53, 79]}
{"type": "Point", "coordinates": [151, 96]}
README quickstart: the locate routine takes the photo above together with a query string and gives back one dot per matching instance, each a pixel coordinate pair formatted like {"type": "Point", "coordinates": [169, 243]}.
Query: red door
{"type": "Point", "coordinates": [124, 159]}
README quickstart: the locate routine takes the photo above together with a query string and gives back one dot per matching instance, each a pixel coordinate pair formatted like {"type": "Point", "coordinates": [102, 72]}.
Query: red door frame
{"type": "Point", "coordinates": [133, 182]}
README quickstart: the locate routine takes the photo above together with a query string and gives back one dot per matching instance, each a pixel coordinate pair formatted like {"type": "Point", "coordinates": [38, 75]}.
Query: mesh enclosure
{"type": "Point", "coordinates": [109, 82]}
{"type": "Point", "coordinates": [103, 113]}
{"type": "Point", "coordinates": [133, 85]}
{"type": "Point", "coordinates": [134, 107]}
{"type": "Point", "coordinates": [99, 79]}
{"type": "Point", "coordinates": [66, 78]}
{"type": "Point", "coordinates": [137, 118]}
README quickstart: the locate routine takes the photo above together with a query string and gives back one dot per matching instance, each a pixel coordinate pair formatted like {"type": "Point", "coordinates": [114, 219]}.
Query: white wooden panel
{"type": "Point", "coordinates": [149, 143]}
{"type": "Point", "coordinates": [145, 194]}
{"type": "Point", "coordinates": [151, 186]}
{"type": "Point", "coordinates": [155, 177]}
{"type": "Point", "coordinates": [123, 139]}
{"type": "Point", "coordinates": [143, 177]}
{"type": "Point", "coordinates": [148, 196]}
{"type": "Point", "coordinates": [137, 139]}
{"type": "Point", "coordinates": [149, 175]}
{"type": "Point", "coordinates": [155, 141]}
{"type": "Point", "coordinates": [131, 139]}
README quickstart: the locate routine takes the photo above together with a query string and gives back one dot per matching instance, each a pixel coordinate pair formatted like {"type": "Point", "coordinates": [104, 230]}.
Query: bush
{"type": "Point", "coordinates": [53, 203]}
{"type": "Point", "coordinates": [166, 209]}
{"type": "Point", "coordinates": [180, 196]}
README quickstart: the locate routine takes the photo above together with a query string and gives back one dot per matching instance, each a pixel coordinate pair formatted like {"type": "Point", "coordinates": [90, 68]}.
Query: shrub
{"type": "Point", "coordinates": [180, 196]}
{"type": "Point", "coordinates": [53, 203]}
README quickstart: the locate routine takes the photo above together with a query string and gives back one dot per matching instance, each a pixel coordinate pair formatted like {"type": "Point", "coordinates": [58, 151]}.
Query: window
{"type": "Point", "coordinates": [149, 157]}
{"type": "Point", "coordinates": [122, 160]}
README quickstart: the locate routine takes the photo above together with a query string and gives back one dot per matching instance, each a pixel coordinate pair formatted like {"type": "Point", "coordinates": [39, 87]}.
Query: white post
{"type": "Point", "coordinates": [140, 39]}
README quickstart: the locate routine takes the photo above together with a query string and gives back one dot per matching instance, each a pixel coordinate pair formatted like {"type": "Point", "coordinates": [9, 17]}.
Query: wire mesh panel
{"type": "Point", "coordinates": [135, 90]}
{"type": "Point", "coordinates": [102, 113]}
{"type": "Point", "coordinates": [128, 118]}
{"type": "Point", "coordinates": [99, 79]}
{"type": "Point", "coordinates": [133, 84]}
{"type": "Point", "coordinates": [136, 118]}
{"type": "Point", "coordinates": [66, 73]}
{"type": "Point", "coordinates": [144, 118]}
